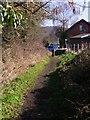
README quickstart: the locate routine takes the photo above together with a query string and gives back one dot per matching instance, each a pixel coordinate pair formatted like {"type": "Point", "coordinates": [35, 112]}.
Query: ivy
{"type": "Point", "coordinates": [10, 16]}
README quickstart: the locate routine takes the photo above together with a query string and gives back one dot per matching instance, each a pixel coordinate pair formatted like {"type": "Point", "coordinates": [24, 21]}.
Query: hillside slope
{"type": "Point", "coordinates": [22, 47]}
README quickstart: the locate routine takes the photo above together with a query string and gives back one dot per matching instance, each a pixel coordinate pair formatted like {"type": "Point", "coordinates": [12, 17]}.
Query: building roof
{"type": "Point", "coordinates": [77, 23]}
{"type": "Point", "coordinates": [82, 36]}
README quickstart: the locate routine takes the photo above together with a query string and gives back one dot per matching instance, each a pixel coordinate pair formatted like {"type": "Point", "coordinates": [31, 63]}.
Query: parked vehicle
{"type": "Point", "coordinates": [51, 47]}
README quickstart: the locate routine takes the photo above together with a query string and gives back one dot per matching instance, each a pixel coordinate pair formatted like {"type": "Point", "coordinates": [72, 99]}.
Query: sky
{"type": "Point", "coordinates": [83, 14]}
{"type": "Point", "coordinates": [86, 12]}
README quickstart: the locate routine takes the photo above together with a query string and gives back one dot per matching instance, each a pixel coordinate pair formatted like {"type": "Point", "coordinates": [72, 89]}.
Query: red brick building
{"type": "Point", "coordinates": [78, 36]}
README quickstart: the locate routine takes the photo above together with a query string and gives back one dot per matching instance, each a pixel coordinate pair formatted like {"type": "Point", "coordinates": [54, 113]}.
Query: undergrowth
{"type": "Point", "coordinates": [69, 88]}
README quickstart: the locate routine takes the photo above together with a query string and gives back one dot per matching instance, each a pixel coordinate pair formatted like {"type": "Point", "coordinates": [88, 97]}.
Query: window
{"type": "Point", "coordinates": [82, 28]}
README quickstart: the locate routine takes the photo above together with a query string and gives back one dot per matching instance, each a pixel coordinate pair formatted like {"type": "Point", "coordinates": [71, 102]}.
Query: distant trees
{"type": "Point", "coordinates": [62, 35]}
{"type": "Point", "coordinates": [62, 15]}
{"type": "Point", "coordinates": [63, 18]}
{"type": "Point", "coordinates": [61, 12]}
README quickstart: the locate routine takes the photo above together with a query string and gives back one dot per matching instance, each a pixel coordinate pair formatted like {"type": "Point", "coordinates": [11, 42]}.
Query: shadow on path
{"type": "Point", "coordinates": [55, 96]}
{"type": "Point", "coordinates": [36, 101]}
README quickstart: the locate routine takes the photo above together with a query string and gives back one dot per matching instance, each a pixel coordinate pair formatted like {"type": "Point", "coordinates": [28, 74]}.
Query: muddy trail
{"type": "Point", "coordinates": [35, 106]}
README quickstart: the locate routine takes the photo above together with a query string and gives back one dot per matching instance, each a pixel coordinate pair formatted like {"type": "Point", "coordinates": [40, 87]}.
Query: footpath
{"type": "Point", "coordinates": [34, 107]}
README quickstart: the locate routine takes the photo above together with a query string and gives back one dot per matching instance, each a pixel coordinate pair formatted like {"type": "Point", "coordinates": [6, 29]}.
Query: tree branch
{"type": "Point", "coordinates": [40, 7]}
{"type": "Point", "coordinates": [43, 9]}
{"type": "Point", "coordinates": [21, 4]}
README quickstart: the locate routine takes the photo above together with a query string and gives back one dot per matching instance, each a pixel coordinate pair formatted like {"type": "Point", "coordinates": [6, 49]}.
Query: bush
{"type": "Point", "coordinates": [45, 43]}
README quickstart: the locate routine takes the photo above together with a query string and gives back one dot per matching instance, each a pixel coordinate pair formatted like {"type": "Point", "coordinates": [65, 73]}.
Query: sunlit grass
{"type": "Point", "coordinates": [65, 58]}
{"type": "Point", "coordinates": [13, 92]}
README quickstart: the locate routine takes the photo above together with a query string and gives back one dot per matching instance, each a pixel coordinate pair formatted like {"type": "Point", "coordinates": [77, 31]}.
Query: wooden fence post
{"type": "Point", "coordinates": [78, 48]}
{"type": "Point", "coordinates": [74, 48]}
{"type": "Point", "coordinates": [82, 46]}
{"type": "Point", "coordinates": [86, 45]}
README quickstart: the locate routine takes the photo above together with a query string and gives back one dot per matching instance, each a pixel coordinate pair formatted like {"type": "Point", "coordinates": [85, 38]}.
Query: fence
{"type": "Point", "coordinates": [77, 48]}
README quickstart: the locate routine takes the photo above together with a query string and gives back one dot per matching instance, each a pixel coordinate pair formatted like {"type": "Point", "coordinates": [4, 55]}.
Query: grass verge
{"type": "Point", "coordinates": [65, 58]}
{"type": "Point", "coordinates": [14, 91]}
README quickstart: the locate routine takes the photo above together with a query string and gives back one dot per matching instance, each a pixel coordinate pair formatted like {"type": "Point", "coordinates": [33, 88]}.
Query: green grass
{"type": "Point", "coordinates": [14, 91]}
{"type": "Point", "coordinates": [65, 58]}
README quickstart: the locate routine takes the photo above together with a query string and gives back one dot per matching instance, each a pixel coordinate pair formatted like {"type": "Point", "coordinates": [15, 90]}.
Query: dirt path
{"type": "Point", "coordinates": [34, 107]}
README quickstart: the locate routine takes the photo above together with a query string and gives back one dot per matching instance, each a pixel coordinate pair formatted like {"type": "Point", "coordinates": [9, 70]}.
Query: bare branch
{"type": "Point", "coordinates": [43, 9]}
{"type": "Point", "coordinates": [40, 7]}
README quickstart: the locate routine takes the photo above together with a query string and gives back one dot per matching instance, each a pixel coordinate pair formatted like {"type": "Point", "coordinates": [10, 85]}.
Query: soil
{"type": "Point", "coordinates": [34, 107]}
